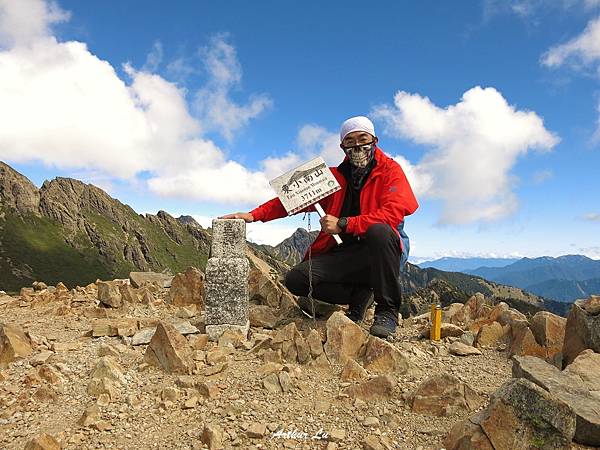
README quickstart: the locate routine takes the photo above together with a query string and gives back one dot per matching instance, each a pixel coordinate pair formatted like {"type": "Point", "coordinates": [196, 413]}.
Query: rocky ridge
{"type": "Point", "coordinates": [125, 363]}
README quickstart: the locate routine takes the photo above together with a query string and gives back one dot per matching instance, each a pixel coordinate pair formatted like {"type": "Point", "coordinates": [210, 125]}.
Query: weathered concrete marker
{"type": "Point", "coordinates": [227, 279]}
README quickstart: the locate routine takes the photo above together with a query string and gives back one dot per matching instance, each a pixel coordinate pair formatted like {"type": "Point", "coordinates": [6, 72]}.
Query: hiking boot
{"type": "Point", "coordinates": [384, 325]}
{"type": "Point", "coordinates": [356, 311]}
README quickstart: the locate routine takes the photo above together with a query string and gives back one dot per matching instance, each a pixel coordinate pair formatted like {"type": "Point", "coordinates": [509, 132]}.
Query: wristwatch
{"type": "Point", "coordinates": [342, 223]}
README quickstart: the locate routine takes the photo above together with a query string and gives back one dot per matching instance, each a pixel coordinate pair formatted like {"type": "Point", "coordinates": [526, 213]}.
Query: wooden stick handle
{"type": "Point", "coordinates": [321, 213]}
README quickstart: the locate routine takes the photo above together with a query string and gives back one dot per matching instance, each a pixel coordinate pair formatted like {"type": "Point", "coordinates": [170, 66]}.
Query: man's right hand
{"type": "Point", "coordinates": [248, 218]}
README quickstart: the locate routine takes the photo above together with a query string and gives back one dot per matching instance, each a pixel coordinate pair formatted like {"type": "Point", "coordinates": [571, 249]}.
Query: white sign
{"type": "Point", "coordinates": [305, 185]}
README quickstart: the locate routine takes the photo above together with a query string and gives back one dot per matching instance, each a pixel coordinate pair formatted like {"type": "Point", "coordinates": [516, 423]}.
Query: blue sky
{"type": "Point", "coordinates": [491, 108]}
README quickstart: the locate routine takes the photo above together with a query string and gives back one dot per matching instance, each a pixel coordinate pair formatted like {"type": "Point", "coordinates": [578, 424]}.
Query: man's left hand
{"type": "Point", "coordinates": [329, 224]}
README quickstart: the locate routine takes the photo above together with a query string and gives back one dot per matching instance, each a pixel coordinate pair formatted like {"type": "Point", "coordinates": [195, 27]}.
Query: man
{"type": "Point", "coordinates": [368, 214]}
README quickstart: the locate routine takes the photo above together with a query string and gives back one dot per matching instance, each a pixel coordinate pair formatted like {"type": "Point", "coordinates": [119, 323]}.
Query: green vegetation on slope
{"type": "Point", "coordinates": [34, 248]}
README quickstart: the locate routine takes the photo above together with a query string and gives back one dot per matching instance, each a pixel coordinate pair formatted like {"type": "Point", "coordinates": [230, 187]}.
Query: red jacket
{"type": "Point", "coordinates": [386, 197]}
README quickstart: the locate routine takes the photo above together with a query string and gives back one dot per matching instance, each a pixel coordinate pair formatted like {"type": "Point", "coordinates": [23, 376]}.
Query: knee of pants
{"type": "Point", "coordinates": [380, 234]}
{"type": "Point", "coordinates": [295, 281]}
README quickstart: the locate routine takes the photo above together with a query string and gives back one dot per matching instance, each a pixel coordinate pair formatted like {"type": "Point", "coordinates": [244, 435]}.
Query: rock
{"type": "Point", "coordinates": [549, 331]}
{"type": "Point", "coordinates": [467, 338]}
{"type": "Point", "coordinates": [371, 422]}
{"type": "Point", "coordinates": [100, 386]}
{"type": "Point", "coordinates": [109, 294]}
{"type": "Point", "coordinates": [262, 316]}
{"type": "Point", "coordinates": [451, 311]}
{"type": "Point", "coordinates": [66, 346]}
{"type": "Point", "coordinates": [270, 367]}
{"type": "Point", "coordinates": [345, 339]}
{"type": "Point", "coordinates": [490, 335]}
{"type": "Point", "coordinates": [128, 294]}
{"type": "Point", "coordinates": [169, 394]}
{"type": "Point", "coordinates": [291, 344]}
{"type": "Point", "coordinates": [190, 403]}
{"type": "Point", "coordinates": [302, 348]}
{"type": "Point", "coordinates": [40, 358]}
{"type": "Point", "coordinates": [337, 435]}
{"type": "Point", "coordinates": [198, 341]}
{"type": "Point", "coordinates": [466, 435]}
{"type": "Point", "coordinates": [264, 288]}
{"type": "Point", "coordinates": [497, 311]}
{"type": "Point", "coordinates": [444, 395]}
{"type": "Point", "coordinates": [544, 422]}
{"type": "Point", "coordinates": [353, 371]}
{"type": "Point", "coordinates": [509, 316]}
{"type": "Point", "coordinates": [187, 288]}
{"type": "Point", "coordinates": [114, 327]}
{"type": "Point", "coordinates": [169, 350]}
{"type": "Point", "coordinates": [567, 389]}
{"type": "Point", "coordinates": [382, 357]}
{"type": "Point", "coordinates": [43, 442]}
{"type": "Point", "coordinates": [256, 430]}
{"type": "Point", "coordinates": [592, 305]}
{"type": "Point", "coordinates": [586, 368]}
{"type": "Point", "coordinates": [208, 390]}
{"type": "Point", "coordinates": [524, 343]}
{"type": "Point", "coordinates": [90, 416]}
{"type": "Point", "coordinates": [478, 305]}
{"type": "Point", "coordinates": [13, 345]}
{"type": "Point", "coordinates": [139, 279]}
{"type": "Point", "coordinates": [372, 443]}
{"type": "Point", "coordinates": [108, 350]}
{"type": "Point", "coordinates": [271, 383]}
{"type": "Point", "coordinates": [582, 331]}
{"type": "Point", "coordinates": [235, 338]}
{"type": "Point", "coordinates": [187, 312]}
{"type": "Point", "coordinates": [460, 349]}
{"type": "Point", "coordinates": [285, 381]}
{"type": "Point", "coordinates": [107, 367]}
{"type": "Point", "coordinates": [143, 337]}
{"type": "Point", "coordinates": [212, 436]}
{"type": "Point", "coordinates": [446, 330]}
{"type": "Point", "coordinates": [315, 343]}
{"type": "Point", "coordinates": [378, 388]}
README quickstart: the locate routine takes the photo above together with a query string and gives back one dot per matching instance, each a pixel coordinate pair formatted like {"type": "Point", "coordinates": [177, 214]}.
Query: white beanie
{"type": "Point", "coordinates": [358, 123]}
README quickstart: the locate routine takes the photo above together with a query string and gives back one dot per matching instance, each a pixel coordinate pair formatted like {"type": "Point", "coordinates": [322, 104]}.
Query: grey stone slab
{"type": "Point", "coordinates": [566, 388]}
{"type": "Point", "coordinates": [214, 332]}
{"type": "Point", "coordinates": [226, 299]}
{"type": "Point", "coordinates": [138, 279]}
{"type": "Point", "coordinates": [228, 238]}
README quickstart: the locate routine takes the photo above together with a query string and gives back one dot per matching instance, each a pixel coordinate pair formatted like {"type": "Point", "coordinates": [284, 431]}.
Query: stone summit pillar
{"type": "Point", "coordinates": [226, 303]}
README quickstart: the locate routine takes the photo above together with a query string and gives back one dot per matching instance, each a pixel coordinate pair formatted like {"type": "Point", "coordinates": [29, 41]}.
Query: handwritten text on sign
{"type": "Point", "coordinates": [305, 185]}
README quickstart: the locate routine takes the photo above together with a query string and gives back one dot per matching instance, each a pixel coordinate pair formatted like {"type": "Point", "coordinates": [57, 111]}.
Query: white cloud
{"type": "Point", "coordinates": [213, 103]}
{"type": "Point", "coordinates": [542, 175]}
{"type": "Point", "coordinates": [312, 141]}
{"type": "Point", "coordinates": [65, 107]}
{"type": "Point", "coordinates": [473, 146]}
{"type": "Point", "coordinates": [269, 233]}
{"type": "Point", "coordinates": [530, 10]}
{"type": "Point", "coordinates": [316, 140]}
{"type": "Point", "coordinates": [592, 217]}
{"type": "Point", "coordinates": [23, 22]}
{"type": "Point", "coordinates": [579, 51]}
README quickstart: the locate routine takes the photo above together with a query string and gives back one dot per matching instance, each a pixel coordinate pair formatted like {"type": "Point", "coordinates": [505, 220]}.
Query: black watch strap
{"type": "Point", "coordinates": [342, 223]}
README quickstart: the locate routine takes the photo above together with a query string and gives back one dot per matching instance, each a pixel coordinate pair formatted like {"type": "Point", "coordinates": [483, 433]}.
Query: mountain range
{"type": "Point", "coordinates": [452, 264]}
{"type": "Point", "coordinates": [564, 278]}
{"type": "Point", "coordinates": [75, 232]}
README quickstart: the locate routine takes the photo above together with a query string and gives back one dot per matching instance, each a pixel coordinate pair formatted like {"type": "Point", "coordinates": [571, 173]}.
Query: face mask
{"type": "Point", "coordinates": [360, 155]}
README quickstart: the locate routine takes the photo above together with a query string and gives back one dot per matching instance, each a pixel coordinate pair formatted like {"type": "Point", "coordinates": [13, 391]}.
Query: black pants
{"type": "Point", "coordinates": [347, 274]}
